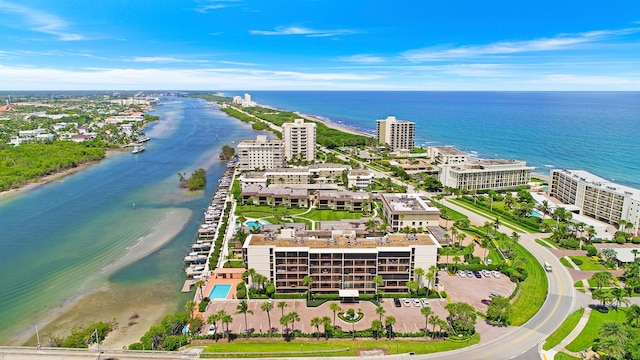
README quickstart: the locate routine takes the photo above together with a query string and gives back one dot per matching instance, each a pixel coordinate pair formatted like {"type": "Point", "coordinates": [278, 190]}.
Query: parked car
{"type": "Point", "coordinates": [486, 273]}
{"type": "Point", "coordinates": [425, 302]}
{"type": "Point", "coordinates": [416, 302]}
{"type": "Point", "coordinates": [406, 302]}
{"type": "Point", "coordinates": [468, 273]}
{"type": "Point", "coordinates": [477, 274]}
{"type": "Point", "coordinates": [461, 273]}
{"type": "Point", "coordinates": [212, 330]}
{"type": "Point", "coordinates": [494, 294]}
{"type": "Point", "coordinates": [396, 302]}
{"type": "Point", "coordinates": [486, 301]}
{"type": "Point", "coordinates": [495, 274]}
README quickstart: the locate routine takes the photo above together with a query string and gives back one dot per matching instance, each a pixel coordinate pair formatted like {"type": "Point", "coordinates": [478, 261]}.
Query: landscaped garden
{"type": "Point", "coordinates": [565, 328]}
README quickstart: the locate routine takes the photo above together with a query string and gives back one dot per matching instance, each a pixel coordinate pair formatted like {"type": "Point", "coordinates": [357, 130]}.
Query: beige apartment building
{"type": "Point", "coordinates": [397, 134]}
{"type": "Point", "coordinates": [447, 155]}
{"type": "Point", "coordinates": [408, 210]}
{"type": "Point", "coordinates": [299, 140]}
{"type": "Point", "coordinates": [340, 261]}
{"type": "Point", "coordinates": [597, 198]}
{"type": "Point", "coordinates": [320, 173]}
{"type": "Point", "coordinates": [260, 153]}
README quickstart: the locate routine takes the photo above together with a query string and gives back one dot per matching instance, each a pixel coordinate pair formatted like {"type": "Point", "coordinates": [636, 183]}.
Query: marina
{"type": "Point", "coordinates": [197, 261]}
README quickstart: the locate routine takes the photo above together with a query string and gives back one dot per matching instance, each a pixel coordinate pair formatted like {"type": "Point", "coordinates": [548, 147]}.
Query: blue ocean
{"type": "Point", "coordinates": [593, 131]}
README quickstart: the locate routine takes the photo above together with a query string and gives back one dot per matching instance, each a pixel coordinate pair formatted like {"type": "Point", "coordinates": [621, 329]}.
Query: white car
{"type": "Point", "coordinates": [406, 302]}
{"type": "Point", "coordinates": [425, 302]}
{"type": "Point", "coordinates": [495, 274]}
{"type": "Point", "coordinates": [486, 273]}
{"type": "Point", "coordinates": [212, 330]}
{"type": "Point", "coordinates": [461, 273]}
{"type": "Point", "coordinates": [416, 302]}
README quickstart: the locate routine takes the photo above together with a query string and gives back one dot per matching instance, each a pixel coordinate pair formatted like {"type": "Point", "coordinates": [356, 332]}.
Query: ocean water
{"type": "Point", "coordinates": [594, 131]}
{"type": "Point", "coordinates": [62, 239]}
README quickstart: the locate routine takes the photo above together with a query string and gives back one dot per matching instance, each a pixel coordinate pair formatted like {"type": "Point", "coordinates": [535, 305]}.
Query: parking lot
{"type": "Point", "coordinates": [473, 290]}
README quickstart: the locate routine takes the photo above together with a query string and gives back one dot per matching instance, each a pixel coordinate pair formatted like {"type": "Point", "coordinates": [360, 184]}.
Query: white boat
{"type": "Point", "coordinates": [137, 148]}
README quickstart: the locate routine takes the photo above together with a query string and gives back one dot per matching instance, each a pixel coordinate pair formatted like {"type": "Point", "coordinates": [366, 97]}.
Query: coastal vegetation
{"type": "Point", "coordinates": [227, 153]}
{"type": "Point", "coordinates": [169, 335]}
{"type": "Point", "coordinates": [82, 336]}
{"type": "Point", "coordinates": [26, 163]}
{"type": "Point", "coordinates": [196, 181]}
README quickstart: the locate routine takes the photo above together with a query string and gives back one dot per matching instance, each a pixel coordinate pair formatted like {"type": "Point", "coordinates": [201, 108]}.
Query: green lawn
{"type": "Point", "coordinates": [590, 331]}
{"type": "Point", "coordinates": [417, 345]}
{"type": "Point", "coordinates": [569, 324]}
{"type": "Point", "coordinates": [565, 262]}
{"type": "Point", "coordinates": [486, 213]}
{"type": "Point", "coordinates": [455, 216]}
{"type": "Point", "coordinates": [587, 263]}
{"type": "Point", "coordinates": [245, 210]}
{"type": "Point", "coordinates": [543, 243]}
{"type": "Point", "coordinates": [578, 284]}
{"type": "Point", "coordinates": [533, 290]}
{"type": "Point", "coordinates": [331, 215]}
{"type": "Point", "coordinates": [565, 356]}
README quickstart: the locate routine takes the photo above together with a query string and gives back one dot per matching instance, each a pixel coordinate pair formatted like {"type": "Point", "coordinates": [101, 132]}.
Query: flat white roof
{"type": "Point", "coordinates": [625, 255]}
{"type": "Point", "coordinates": [587, 177]}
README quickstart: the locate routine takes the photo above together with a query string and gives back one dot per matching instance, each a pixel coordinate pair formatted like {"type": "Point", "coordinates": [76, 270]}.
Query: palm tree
{"type": "Point", "coordinates": [307, 281]}
{"type": "Point", "coordinates": [433, 320]}
{"type": "Point", "coordinates": [335, 308]}
{"type": "Point", "coordinates": [213, 319]}
{"type": "Point", "coordinates": [456, 259]}
{"type": "Point", "coordinates": [378, 281]}
{"type": "Point", "coordinates": [371, 225]}
{"type": "Point", "coordinates": [389, 321]}
{"type": "Point", "coordinates": [199, 284]}
{"type": "Point", "coordinates": [293, 317]}
{"type": "Point", "coordinates": [633, 315]}
{"type": "Point", "coordinates": [544, 206]}
{"type": "Point", "coordinates": [326, 322]}
{"type": "Point", "coordinates": [243, 308]}
{"type": "Point", "coordinates": [635, 253]}
{"type": "Point", "coordinates": [380, 311]}
{"type": "Point", "coordinates": [485, 245]}
{"type": "Point", "coordinates": [267, 306]}
{"type": "Point", "coordinates": [613, 329]}
{"type": "Point", "coordinates": [621, 225]}
{"type": "Point", "coordinates": [454, 234]}
{"type": "Point", "coordinates": [619, 296]}
{"type": "Point", "coordinates": [418, 273]}
{"type": "Point", "coordinates": [612, 347]}
{"type": "Point", "coordinates": [431, 277]}
{"type": "Point", "coordinates": [376, 327]}
{"type": "Point", "coordinates": [632, 284]}
{"type": "Point", "coordinates": [442, 324]}
{"type": "Point", "coordinates": [316, 322]}
{"type": "Point", "coordinates": [602, 278]}
{"type": "Point", "coordinates": [282, 305]}
{"type": "Point", "coordinates": [226, 319]}
{"type": "Point", "coordinates": [284, 321]}
{"type": "Point", "coordinates": [426, 311]}
{"type": "Point", "coordinates": [496, 225]}
{"type": "Point", "coordinates": [190, 306]}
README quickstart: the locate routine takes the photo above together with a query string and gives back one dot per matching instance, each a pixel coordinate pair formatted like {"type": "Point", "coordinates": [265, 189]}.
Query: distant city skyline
{"type": "Point", "coordinates": [319, 45]}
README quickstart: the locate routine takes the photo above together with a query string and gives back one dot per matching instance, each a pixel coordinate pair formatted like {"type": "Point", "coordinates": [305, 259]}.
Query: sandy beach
{"type": "Point", "coordinates": [108, 302]}
{"type": "Point", "coordinates": [339, 127]}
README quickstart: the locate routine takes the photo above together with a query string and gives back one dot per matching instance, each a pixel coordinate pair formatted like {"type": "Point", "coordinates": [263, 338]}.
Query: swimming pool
{"type": "Point", "coordinates": [257, 223]}
{"type": "Point", "coordinates": [536, 213]}
{"type": "Point", "coordinates": [220, 291]}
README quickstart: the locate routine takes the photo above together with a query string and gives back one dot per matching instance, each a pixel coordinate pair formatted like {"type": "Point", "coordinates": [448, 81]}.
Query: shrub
{"type": "Point", "coordinates": [202, 306]}
{"type": "Point", "coordinates": [592, 251]}
{"type": "Point", "coordinates": [241, 294]}
{"type": "Point", "coordinates": [621, 240]}
{"type": "Point", "coordinates": [636, 240]}
{"type": "Point", "coordinates": [577, 261]}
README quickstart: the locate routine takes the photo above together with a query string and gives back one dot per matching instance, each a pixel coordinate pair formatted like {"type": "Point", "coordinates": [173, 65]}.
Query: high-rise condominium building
{"type": "Point", "coordinates": [398, 134]}
{"type": "Point", "coordinates": [299, 140]}
{"type": "Point", "coordinates": [260, 154]}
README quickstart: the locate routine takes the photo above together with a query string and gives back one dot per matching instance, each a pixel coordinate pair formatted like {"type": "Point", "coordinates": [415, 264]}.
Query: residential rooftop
{"type": "Point", "coordinates": [341, 239]}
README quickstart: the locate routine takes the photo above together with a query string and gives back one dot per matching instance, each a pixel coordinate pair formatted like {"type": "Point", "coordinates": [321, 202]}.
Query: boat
{"type": "Point", "coordinates": [137, 148]}
{"type": "Point", "coordinates": [143, 139]}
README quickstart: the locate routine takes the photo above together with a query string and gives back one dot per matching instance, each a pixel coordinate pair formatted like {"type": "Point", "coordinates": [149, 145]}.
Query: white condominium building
{"type": "Point", "coordinates": [398, 134]}
{"type": "Point", "coordinates": [260, 153]}
{"type": "Point", "coordinates": [495, 174]}
{"type": "Point", "coordinates": [409, 210]}
{"type": "Point", "coordinates": [447, 155]}
{"type": "Point", "coordinates": [339, 262]}
{"type": "Point", "coordinates": [299, 140]}
{"type": "Point", "coordinates": [597, 198]}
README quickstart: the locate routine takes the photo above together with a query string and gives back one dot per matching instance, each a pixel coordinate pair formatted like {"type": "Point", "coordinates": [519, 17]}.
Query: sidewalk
{"type": "Point", "coordinates": [550, 354]}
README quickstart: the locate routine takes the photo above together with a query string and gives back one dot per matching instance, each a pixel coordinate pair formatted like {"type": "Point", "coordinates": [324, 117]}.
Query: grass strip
{"type": "Point", "coordinates": [533, 290]}
{"type": "Point", "coordinates": [565, 329]}
{"type": "Point", "coordinates": [565, 356]}
{"type": "Point", "coordinates": [590, 332]}
{"type": "Point", "coordinates": [298, 347]}
{"type": "Point", "coordinates": [503, 221]}
{"type": "Point", "coordinates": [543, 243]}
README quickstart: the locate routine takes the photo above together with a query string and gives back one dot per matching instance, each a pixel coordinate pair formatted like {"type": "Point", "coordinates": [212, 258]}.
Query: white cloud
{"type": "Point", "coordinates": [41, 21]}
{"type": "Point", "coordinates": [215, 5]}
{"type": "Point", "coordinates": [296, 30]}
{"type": "Point", "coordinates": [559, 42]}
{"type": "Point", "coordinates": [363, 59]}
{"type": "Point", "coordinates": [162, 59]}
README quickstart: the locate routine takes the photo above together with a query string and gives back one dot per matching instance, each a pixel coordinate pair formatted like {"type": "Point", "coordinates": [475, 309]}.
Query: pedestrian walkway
{"type": "Point", "coordinates": [550, 354]}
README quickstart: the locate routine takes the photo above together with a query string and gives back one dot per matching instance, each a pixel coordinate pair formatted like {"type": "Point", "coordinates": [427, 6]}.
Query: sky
{"type": "Point", "coordinates": [320, 45]}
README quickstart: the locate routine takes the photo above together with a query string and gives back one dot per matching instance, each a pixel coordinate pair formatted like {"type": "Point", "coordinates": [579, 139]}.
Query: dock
{"type": "Point", "coordinates": [187, 286]}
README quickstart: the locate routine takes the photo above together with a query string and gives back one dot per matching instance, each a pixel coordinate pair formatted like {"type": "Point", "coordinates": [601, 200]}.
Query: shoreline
{"type": "Point", "coordinates": [58, 175]}
{"type": "Point", "coordinates": [77, 309]}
